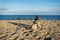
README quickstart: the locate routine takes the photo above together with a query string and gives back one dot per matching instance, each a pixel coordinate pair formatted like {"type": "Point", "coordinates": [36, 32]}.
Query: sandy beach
{"type": "Point", "coordinates": [21, 30]}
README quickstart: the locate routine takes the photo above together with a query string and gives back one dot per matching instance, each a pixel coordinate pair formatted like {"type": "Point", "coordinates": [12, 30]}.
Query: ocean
{"type": "Point", "coordinates": [29, 17]}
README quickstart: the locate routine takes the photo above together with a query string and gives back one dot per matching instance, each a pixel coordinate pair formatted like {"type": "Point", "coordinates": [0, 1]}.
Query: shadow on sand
{"type": "Point", "coordinates": [21, 25]}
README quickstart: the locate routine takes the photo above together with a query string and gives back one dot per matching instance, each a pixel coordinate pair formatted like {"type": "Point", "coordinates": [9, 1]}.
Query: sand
{"type": "Point", "coordinates": [21, 30]}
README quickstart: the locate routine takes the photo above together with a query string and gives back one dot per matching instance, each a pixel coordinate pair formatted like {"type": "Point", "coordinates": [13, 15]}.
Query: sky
{"type": "Point", "coordinates": [30, 7]}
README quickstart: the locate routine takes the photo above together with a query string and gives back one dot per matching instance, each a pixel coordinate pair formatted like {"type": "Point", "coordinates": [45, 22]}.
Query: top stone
{"type": "Point", "coordinates": [37, 18]}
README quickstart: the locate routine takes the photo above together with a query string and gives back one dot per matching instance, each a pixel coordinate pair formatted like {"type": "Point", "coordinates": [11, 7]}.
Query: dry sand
{"type": "Point", "coordinates": [21, 30]}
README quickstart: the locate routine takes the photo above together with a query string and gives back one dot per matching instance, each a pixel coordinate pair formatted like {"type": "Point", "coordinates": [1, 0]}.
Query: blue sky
{"type": "Point", "coordinates": [30, 6]}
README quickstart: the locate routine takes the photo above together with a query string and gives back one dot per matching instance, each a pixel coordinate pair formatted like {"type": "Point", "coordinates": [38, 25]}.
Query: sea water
{"type": "Point", "coordinates": [29, 17]}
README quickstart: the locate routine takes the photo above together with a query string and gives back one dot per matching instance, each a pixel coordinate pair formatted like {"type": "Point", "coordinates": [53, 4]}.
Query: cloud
{"type": "Point", "coordinates": [32, 13]}
{"type": "Point", "coordinates": [11, 9]}
{"type": "Point", "coordinates": [3, 9]}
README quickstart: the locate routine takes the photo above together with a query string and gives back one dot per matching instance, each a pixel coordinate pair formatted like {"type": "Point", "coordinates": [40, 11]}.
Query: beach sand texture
{"type": "Point", "coordinates": [22, 30]}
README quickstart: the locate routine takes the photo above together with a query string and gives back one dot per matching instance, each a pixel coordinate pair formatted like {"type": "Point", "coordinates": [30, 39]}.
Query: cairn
{"type": "Point", "coordinates": [36, 24]}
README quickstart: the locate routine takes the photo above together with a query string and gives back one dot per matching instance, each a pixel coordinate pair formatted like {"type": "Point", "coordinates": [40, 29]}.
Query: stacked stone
{"type": "Point", "coordinates": [36, 24]}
